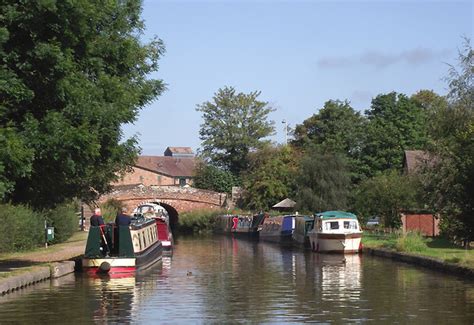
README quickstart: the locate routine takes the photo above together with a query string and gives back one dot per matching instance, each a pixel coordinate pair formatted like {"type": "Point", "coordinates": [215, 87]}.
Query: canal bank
{"type": "Point", "coordinates": [20, 270]}
{"type": "Point", "coordinates": [424, 261]}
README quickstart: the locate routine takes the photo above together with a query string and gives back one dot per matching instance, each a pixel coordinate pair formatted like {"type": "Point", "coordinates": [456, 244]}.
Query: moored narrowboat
{"type": "Point", "coordinates": [123, 249]}
{"type": "Point", "coordinates": [303, 225]}
{"type": "Point", "coordinates": [278, 229]}
{"type": "Point", "coordinates": [240, 225]}
{"type": "Point", "coordinates": [336, 232]}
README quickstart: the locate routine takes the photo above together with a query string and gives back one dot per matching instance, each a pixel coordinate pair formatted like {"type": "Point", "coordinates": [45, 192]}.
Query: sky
{"type": "Point", "coordinates": [299, 54]}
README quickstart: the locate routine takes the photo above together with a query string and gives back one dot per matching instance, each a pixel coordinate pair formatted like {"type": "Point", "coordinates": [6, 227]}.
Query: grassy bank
{"type": "Point", "coordinates": [413, 243]}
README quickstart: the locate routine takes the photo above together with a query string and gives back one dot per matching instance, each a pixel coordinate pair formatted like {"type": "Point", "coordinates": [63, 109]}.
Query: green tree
{"type": "Point", "coordinates": [396, 123]}
{"type": "Point", "coordinates": [323, 182]}
{"type": "Point", "coordinates": [450, 182]}
{"type": "Point", "coordinates": [386, 195]}
{"type": "Point", "coordinates": [336, 128]}
{"type": "Point", "coordinates": [71, 73]}
{"type": "Point", "coordinates": [234, 124]}
{"type": "Point", "coordinates": [209, 177]}
{"type": "Point", "coordinates": [270, 177]}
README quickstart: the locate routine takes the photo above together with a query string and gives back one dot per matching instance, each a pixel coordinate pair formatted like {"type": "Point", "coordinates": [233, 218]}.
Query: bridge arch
{"type": "Point", "coordinates": [174, 199]}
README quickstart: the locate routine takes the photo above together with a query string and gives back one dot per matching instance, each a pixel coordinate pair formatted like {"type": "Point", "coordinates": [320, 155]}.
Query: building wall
{"type": "Point", "coordinates": [148, 178]}
{"type": "Point", "coordinates": [427, 224]}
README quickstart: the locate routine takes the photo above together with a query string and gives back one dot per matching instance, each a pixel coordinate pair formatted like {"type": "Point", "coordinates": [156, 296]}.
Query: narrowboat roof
{"type": "Point", "coordinates": [336, 214]}
{"type": "Point", "coordinates": [305, 218]}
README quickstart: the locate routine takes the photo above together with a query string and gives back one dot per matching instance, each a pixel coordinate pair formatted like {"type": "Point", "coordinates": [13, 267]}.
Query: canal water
{"type": "Point", "coordinates": [224, 280]}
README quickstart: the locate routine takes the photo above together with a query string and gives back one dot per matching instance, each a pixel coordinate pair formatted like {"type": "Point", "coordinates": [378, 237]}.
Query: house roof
{"type": "Point", "coordinates": [170, 166]}
{"type": "Point", "coordinates": [414, 159]}
{"type": "Point", "coordinates": [180, 150]}
{"type": "Point", "coordinates": [286, 203]}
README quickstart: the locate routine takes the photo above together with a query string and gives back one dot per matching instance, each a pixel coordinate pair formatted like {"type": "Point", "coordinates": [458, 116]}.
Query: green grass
{"type": "Point", "coordinates": [438, 248]}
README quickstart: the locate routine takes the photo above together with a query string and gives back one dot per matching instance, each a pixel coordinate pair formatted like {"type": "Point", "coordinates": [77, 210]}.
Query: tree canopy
{"type": "Point", "coordinates": [234, 124]}
{"type": "Point", "coordinates": [71, 73]}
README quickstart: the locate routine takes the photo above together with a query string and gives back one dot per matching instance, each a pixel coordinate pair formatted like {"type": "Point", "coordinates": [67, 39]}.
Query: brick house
{"type": "Point", "coordinates": [176, 168]}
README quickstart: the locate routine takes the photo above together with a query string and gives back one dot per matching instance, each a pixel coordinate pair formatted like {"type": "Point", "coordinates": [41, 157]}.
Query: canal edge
{"type": "Point", "coordinates": [39, 274]}
{"type": "Point", "coordinates": [427, 262]}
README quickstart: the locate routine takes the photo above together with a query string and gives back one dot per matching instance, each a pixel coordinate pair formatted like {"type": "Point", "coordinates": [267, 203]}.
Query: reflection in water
{"type": "Point", "coordinates": [222, 280]}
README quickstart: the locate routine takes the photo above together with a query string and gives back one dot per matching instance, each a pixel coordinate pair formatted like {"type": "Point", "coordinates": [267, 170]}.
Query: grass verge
{"type": "Point", "coordinates": [414, 243]}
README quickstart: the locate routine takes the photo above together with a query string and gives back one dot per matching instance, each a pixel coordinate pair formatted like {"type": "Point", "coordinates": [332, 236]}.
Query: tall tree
{"type": "Point", "coordinates": [234, 124]}
{"type": "Point", "coordinates": [323, 182]}
{"type": "Point", "coordinates": [396, 123]}
{"type": "Point", "coordinates": [450, 182]}
{"type": "Point", "coordinates": [270, 177]}
{"type": "Point", "coordinates": [336, 128]}
{"type": "Point", "coordinates": [72, 72]}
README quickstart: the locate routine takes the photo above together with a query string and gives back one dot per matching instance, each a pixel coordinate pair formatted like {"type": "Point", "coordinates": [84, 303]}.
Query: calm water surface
{"type": "Point", "coordinates": [238, 281]}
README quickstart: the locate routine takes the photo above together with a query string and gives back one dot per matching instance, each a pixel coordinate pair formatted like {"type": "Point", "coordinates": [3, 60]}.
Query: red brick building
{"type": "Point", "coordinates": [176, 167]}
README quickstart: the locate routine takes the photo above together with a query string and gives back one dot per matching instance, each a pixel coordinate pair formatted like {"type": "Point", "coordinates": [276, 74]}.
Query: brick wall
{"type": "Point", "coordinates": [147, 178]}
{"type": "Point", "coordinates": [427, 224]}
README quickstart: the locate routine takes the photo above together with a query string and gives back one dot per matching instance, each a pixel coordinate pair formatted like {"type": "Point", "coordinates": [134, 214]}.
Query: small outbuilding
{"type": "Point", "coordinates": [285, 206]}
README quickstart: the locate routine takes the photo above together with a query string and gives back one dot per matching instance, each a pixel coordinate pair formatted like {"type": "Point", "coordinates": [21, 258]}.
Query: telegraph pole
{"type": "Point", "coordinates": [286, 131]}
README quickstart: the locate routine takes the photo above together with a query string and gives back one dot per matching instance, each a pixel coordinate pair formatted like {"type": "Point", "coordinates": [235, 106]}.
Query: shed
{"type": "Point", "coordinates": [285, 205]}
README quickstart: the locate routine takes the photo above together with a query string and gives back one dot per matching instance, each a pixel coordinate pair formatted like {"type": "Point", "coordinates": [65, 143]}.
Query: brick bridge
{"type": "Point", "coordinates": [174, 199]}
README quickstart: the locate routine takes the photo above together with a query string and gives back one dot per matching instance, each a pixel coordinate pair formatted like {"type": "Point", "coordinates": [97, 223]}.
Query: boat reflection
{"type": "Point", "coordinates": [340, 277]}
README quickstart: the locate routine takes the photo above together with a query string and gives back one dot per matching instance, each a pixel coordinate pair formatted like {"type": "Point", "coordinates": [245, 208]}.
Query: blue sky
{"type": "Point", "coordinates": [299, 54]}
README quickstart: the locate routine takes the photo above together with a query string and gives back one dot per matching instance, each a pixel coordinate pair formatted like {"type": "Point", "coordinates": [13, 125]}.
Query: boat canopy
{"type": "Point", "coordinates": [336, 215]}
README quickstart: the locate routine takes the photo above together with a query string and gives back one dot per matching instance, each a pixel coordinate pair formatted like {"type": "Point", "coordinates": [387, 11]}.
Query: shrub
{"type": "Point", "coordinates": [411, 242]}
{"type": "Point", "coordinates": [64, 219]}
{"type": "Point", "coordinates": [199, 221]}
{"type": "Point", "coordinates": [21, 228]}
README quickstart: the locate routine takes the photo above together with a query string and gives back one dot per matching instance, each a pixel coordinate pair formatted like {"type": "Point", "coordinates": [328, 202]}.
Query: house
{"type": "Point", "coordinates": [175, 168]}
{"type": "Point", "coordinates": [413, 160]}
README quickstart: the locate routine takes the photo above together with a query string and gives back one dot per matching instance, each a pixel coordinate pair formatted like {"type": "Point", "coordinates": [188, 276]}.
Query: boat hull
{"type": "Point", "coordinates": [336, 243]}
{"type": "Point", "coordinates": [114, 265]}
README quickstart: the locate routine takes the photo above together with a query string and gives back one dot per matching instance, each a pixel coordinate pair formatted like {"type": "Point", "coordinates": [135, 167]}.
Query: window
{"type": "Point", "coordinates": [182, 181]}
{"type": "Point", "coordinates": [141, 179]}
{"type": "Point", "coordinates": [158, 179]}
{"type": "Point", "coordinates": [334, 225]}
{"type": "Point", "coordinates": [350, 225]}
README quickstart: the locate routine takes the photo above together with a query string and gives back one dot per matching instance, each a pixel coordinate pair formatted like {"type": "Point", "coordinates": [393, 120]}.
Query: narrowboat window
{"type": "Point", "coordinates": [350, 225]}
{"type": "Point", "coordinates": [334, 225]}
{"type": "Point", "coordinates": [346, 225]}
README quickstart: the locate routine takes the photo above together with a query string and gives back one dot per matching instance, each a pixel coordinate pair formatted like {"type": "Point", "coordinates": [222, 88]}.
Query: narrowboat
{"type": "Point", "coordinates": [336, 232]}
{"type": "Point", "coordinates": [160, 215]}
{"type": "Point", "coordinates": [278, 229]}
{"type": "Point", "coordinates": [240, 225]}
{"type": "Point", "coordinates": [124, 249]}
{"type": "Point", "coordinates": [303, 225]}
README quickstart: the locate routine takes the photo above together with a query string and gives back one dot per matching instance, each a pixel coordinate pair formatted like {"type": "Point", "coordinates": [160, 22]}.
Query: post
{"type": "Point", "coordinates": [45, 234]}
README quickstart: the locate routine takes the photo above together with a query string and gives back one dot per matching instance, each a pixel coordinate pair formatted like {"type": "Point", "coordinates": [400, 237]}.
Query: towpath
{"type": "Point", "coordinates": [13, 264]}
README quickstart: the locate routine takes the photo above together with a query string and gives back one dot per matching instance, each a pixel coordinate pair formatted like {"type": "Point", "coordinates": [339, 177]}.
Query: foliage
{"type": "Point", "coordinates": [270, 177]}
{"type": "Point", "coordinates": [21, 228]}
{"type": "Point", "coordinates": [386, 195]}
{"type": "Point", "coordinates": [396, 123]}
{"type": "Point", "coordinates": [337, 128]}
{"type": "Point", "coordinates": [198, 221]}
{"type": "Point", "coordinates": [450, 182]}
{"type": "Point", "coordinates": [411, 242]}
{"type": "Point", "coordinates": [323, 182]}
{"type": "Point", "coordinates": [209, 177]}
{"type": "Point", "coordinates": [72, 72]}
{"type": "Point", "coordinates": [234, 124]}
{"type": "Point", "coordinates": [64, 219]}
{"type": "Point", "coordinates": [110, 209]}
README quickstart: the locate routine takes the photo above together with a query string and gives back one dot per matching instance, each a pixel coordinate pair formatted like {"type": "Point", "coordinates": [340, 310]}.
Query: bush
{"type": "Point", "coordinates": [199, 221]}
{"type": "Point", "coordinates": [21, 228]}
{"type": "Point", "coordinates": [64, 219]}
{"type": "Point", "coordinates": [411, 242]}
{"type": "Point", "coordinates": [110, 209]}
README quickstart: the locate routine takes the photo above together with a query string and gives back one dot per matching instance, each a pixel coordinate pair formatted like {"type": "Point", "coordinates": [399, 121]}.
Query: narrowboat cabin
{"type": "Point", "coordinates": [240, 225]}
{"type": "Point", "coordinates": [160, 215]}
{"type": "Point", "coordinates": [278, 229]}
{"type": "Point", "coordinates": [124, 249]}
{"type": "Point", "coordinates": [336, 232]}
{"type": "Point", "coordinates": [303, 225]}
